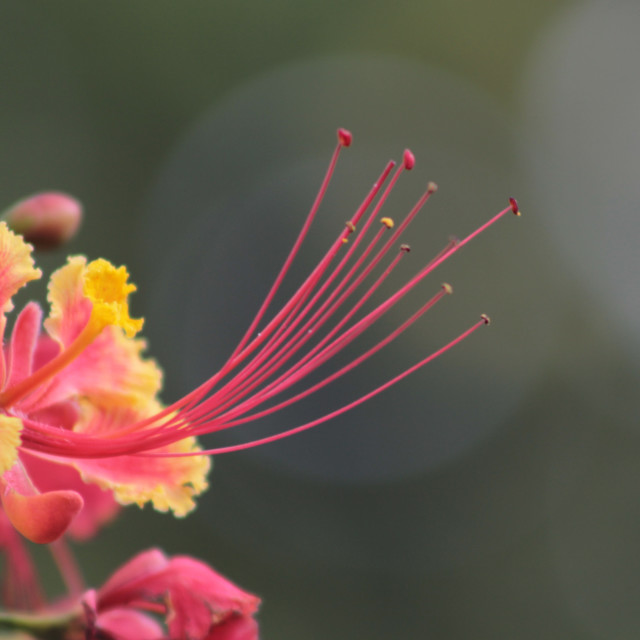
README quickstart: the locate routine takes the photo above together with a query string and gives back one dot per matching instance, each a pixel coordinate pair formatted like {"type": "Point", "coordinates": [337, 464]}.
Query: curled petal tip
{"type": "Point", "coordinates": [43, 517]}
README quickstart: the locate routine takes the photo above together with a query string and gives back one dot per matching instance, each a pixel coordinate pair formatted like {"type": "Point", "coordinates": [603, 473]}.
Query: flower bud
{"type": "Point", "coordinates": [46, 220]}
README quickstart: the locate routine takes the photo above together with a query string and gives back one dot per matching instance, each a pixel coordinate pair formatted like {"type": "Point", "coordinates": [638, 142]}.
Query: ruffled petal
{"type": "Point", "coordinates": [16, 266]}
{"type": "Point", "coordinates": [169, 483]}
{"type": "Point", "coordinates": [16, 269]}
{"type": "Point", "coordinates": [110, 370]}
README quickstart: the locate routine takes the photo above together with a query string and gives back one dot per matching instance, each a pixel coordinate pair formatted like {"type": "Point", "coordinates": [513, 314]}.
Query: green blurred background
{"type": "Point", "coordinates": [495, 494]}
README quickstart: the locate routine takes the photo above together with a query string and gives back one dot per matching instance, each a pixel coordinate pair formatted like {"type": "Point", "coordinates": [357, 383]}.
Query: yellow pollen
{"type": "Point", "coordinates": [108, 289]}
{"type": "Point", "coordinates": [345, 240]}
{"type": "Point", "coordinates": [387, 222]}
{"type": "Point", "coordinates": [10, 429]}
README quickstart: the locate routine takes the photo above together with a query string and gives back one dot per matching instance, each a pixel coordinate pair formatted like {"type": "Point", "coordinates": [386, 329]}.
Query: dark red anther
{"type": "Point", "coordinates": [514, 206]}
{"type": "Point", "coordinates": [345, 137]}
{"type": "Point", "coordinates": [409, 160]}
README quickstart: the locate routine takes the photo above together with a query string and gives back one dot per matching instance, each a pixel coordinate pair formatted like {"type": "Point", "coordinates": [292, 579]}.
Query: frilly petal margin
{"type": "Point", "coordinates": [16, 269]}
{"type": "Point", "coordinates": [169, 483]}
{"type": "Point", "coordinates": [111, 369]}
{"type": "Point", "coordinates": [39, 517]}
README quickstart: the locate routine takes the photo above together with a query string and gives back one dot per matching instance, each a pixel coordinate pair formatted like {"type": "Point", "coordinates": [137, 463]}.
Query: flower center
{"type": "Point", "coordinates": [107, 289]}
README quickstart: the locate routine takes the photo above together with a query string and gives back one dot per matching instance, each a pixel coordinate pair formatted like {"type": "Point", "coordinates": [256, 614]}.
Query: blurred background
{"type": "Point", "coordinates": [494, 494]}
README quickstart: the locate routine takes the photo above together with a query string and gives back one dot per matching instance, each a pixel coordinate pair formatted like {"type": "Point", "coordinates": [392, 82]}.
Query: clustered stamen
{"type": "Point", "coordinates": [312, 327]}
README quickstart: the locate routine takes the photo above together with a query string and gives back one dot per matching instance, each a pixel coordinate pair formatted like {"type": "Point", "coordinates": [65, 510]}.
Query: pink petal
{"type": "Point", "coordinates": [198, 598]}
{"type": "Point", "coordinates": [39, 517]}
{"type": "Point", "coordinates": [16, 269]}
{"type": "Point", "coordinates": [167, 482]}
{"type": "Point", "coordinates": [127, 624]}
{"type": "Point", "coordinates": [235, 628]}
{"type": "Point", "coordinates": [124, 583]}
{"type": "Point", "coordinates": [110, 370]}
{"type": "Point", "coordinates": [99, 505]}
{"type": "Point", "coordinates": [23, 343]}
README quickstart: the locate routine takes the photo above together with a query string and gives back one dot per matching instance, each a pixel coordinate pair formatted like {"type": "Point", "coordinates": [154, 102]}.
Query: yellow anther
{"type": "Point", "coordinates": [432, 187]}
{"type": "Point", "coordinates": [387, 222]}
{"type": "Point", "coordinates": [447, 288]}
{"type": "Point", "coordinates": [108, 289]}
{"type": "Point", "coordinates": [350, 226]}
{"type": "Point", "coordinates": [485, 318]}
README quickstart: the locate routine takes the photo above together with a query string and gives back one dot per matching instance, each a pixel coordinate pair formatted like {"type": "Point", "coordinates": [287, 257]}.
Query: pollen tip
{"type": "Point", "coordinates": [387, 222]}
{"type": "Point", "coordinates": [432, 187]}
{"type": "Point", "coordinates": [514, 206]}
{"type": "Point", "coordinates": [405, 247]}
{"type": "Point", "coordinates": [345, 240]}
{"type": "Point", "coordinates": [485, 318]}
{"type": "Point", "coordinates": [345, 137]}
{"type": "Point", "coordinates": [408, 159]}
{"type": "Point", "coordinates": [447, 288]}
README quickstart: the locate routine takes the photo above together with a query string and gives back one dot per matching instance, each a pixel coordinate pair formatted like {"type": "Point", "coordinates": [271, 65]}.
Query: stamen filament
{"type": "Point", "coordinates": [314, 325]}
{"type": "Point", "coordinates": [337, 412]}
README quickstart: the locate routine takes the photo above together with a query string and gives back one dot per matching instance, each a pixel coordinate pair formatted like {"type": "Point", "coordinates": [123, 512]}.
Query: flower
{"type": "Point", "coordinates": [195, 602]}
{"type": "Point", "coordinates": [151, 597]}
{"type": "Point", "coordinates": [81, 394]}
{"type": "Point", "coordinates": [83, 374]}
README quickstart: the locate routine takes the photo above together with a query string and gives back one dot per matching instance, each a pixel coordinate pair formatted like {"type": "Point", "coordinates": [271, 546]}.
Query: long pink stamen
{"type": "Point", "coordinates": [267, 364]}
{"type": "Point", "coordinates": [352, 405]}
{"type": "Point", "coordinates": [344, 140]}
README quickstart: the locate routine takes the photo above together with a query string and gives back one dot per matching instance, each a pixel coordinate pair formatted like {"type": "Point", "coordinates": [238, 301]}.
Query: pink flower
{"type": "Point", "coordinates": [151, 597]}
{"type": "Point", "coordinates": [81, 394]}
{"type": "Point", "coordinates": [194, 601]}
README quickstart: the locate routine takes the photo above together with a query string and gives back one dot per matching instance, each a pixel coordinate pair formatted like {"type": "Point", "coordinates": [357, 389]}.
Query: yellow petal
{"type": "Point", "coordinates": [16, 266]}
{"type": "Point", "coordinates": [10, 429]}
